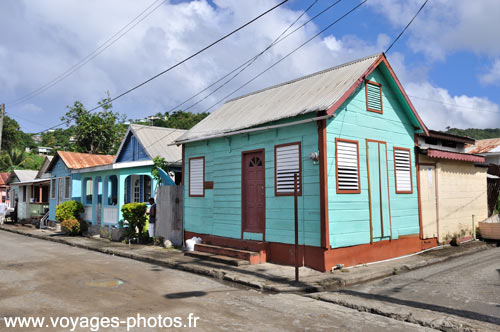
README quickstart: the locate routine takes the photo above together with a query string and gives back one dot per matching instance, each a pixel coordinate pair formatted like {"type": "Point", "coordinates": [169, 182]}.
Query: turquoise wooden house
{"type": "Point", "coordinates": [64, 185]}
{"type": "Point", "coordinates": [105, 189]}
{"type": "Point", "coordinates": [349, 134]}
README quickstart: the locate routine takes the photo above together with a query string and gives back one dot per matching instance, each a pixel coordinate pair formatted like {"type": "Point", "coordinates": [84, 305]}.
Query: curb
{"type": "Point", "coordinates": [422, 317]}
{"type": "Point", "coordinates": [326, 284]}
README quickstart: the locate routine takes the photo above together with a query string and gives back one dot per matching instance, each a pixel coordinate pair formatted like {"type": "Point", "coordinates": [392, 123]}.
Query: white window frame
{"type": "Point", "coordinates": [285, 166]}
{"type": "Point", "coordinates": [344, 145]}
{"type": "Point", "coordinates": [196, 187]}
{"type": "Point", "coordinates": [402, 168]}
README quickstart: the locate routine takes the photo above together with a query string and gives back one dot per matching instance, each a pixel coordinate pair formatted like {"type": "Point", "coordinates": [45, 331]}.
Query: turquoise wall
{"type": "Point", "coordinates": [219, 212]}
{"type": "Point", "coordinates": [349, 213]}
{"type": "Point", "coordinates": [121, 175]}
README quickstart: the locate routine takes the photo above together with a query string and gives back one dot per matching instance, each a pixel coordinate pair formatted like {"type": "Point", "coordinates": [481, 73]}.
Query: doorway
{"type": "Point", "coordinates": [253, 192]}
{"type": "Point", "coordinates": [378, 190]}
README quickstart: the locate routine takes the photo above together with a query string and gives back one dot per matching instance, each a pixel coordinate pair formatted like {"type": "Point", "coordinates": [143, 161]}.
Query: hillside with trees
{"type": "Point", "coordinates": [475, 133]}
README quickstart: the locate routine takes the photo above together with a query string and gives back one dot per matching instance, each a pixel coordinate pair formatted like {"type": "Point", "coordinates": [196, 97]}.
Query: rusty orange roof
{"type": "Point", "coordinates": [484, 145]}
{"type": "Point", "coordinates": [3, 178]}
{"type": "Point", "coordinates": [77, 160]}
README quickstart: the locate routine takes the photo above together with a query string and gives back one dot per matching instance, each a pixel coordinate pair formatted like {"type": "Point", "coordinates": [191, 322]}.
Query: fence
{"type": "Point", "coordinates": [170, 209]}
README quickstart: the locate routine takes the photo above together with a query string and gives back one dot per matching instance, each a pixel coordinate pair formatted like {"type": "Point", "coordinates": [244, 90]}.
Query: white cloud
{"type": "Point", "coordinates": [493, 74]}
{"type": "Point", "coordinates": [48, 36]}
{"type": "Point", "coordinates": [446, 26]}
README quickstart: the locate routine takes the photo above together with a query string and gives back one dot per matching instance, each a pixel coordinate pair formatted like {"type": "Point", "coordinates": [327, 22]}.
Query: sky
{"type": "Point", "coordinates": [448, 60]}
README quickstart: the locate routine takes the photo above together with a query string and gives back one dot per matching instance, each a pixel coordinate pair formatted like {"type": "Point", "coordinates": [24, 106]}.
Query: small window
{"type": "Point", "coordinates": [197, 177]}
{"type": "Point", "coordinates": [67, 185]}
{"type": "Point", "coordinates": [402, 170]}
{"type": "Point", "coordinates": [287, 164]}
{"type": "Point", "coordinates": [53, 184]}
{"type": "Point", "coordinates": [137, 190]}
{"type": "Point", "coordinates": [449, 144]}
{"type": "Point", "coordinates": [431, 141]}
{"type": "Point", "coordinates": [373, 92]}
{"type": "Point", "coordinates": [347, 165]}
{"type": "Point", "coordinates": [24, 193]}
{"type": "Point", "coordinates": [89, 191]}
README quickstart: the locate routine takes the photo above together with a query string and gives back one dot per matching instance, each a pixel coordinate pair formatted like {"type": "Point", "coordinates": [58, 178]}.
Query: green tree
{"type": "Point", "coordinates": [11, 134]}
{"type": "Point", "coordinates": [18, 159]}
{"type": "Point", "coordinates": [159, 162]}
{"type": "Point", "coordinates": [178, 119]}
{"type": "Point", "coordinates": [95, 132]}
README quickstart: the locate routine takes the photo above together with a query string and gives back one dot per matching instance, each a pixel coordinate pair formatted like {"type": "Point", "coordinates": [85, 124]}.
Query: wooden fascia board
{"type": "Point", "coordinates": [361, 79]}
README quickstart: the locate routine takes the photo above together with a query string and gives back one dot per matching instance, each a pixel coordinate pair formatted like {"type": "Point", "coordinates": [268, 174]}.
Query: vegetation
{"type": "Point", "coordinates": [59, 139]}
{"type": "Point", "coordinates": [13, 137]}
{"type": "Point", "coordinates": [69, 209]}
{"type": "Point", "coordinates": [71, 226]}
{"type": "Point", "coordinates": [95, 132]}
{"type": "Point", "coordinates": [135, 215]}
{"type": "Point", "coordinates": [18, 159]}
{"type": "Point", "coordinates": [159, 163]}
{"type": "Point", "coordinates": [178, 119]}
{"type": "Point", "coordinates": [475, 133]}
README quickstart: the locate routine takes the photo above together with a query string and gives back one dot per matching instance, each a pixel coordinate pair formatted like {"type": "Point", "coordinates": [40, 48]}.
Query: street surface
{"type": "Point", "coordinates": [41, 278]}
{"type": "Point", "coordinates": [468, 287]}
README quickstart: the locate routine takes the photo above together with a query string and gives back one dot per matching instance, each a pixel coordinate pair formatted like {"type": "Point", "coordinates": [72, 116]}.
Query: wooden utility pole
{"type": "Point", "coordinates": [296, 214]}
{"type": "Point", "coordinates": [2, 115]}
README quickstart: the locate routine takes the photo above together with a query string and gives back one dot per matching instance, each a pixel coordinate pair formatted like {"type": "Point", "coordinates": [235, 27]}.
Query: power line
{"type": "Point", "coordinates": [406, 27]}
{"type": "Point", "coordinates": [104, 46]}
{"type": "Point", "coordinates": [182, 61]}
{"type": "Point", "coordinates": [286, 56]}
{"type": "Point", "coordinates": [456, 105]}
{"type": "Point", "coordinates": [249, 62]}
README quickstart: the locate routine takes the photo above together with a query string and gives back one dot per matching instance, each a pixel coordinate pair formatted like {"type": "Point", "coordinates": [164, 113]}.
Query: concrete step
{"type": "Point", "coordinates": [217, 258]}
{"type": "Point", "coordinates": [253, 257]}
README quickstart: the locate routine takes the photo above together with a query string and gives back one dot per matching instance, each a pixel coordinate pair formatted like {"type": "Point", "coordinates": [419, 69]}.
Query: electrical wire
{"type": "Point", "coordinates": [182, 61]}
{"type": "Point", "coordinates": [108, 43]}
{"type": "Point", "coordinates": [286, 56]}
{"type": "Point", "coordinates": [406, 27]}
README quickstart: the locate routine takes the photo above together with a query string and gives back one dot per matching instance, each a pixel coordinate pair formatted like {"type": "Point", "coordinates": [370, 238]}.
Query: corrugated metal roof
{"type": "Point", "coordinates": [449, 137]}
{"type": "Point", "coordinates": [484, 145]}
{"type": "Point", "coordinates": [77, 160]}
{"type": "Point", "coordinates": [433, 153]}
{"type": "Point", "coordinates": [23, 175]}
{"type": "Point", "coordinates": [315, 92]}
{"type": "Point", "coordinates": [156, 140]}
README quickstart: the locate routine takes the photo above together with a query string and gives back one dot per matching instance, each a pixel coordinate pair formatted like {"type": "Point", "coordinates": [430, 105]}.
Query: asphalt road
{"type": "Point", "coordinates": [468, 286]}
{"type": "Point", "coordinates": [41, 278]}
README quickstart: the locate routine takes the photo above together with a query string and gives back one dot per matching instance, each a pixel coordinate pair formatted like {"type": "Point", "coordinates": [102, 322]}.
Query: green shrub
{"type": "Point", "coordinates": [71, 226]}
{"type": "Point", "coordinates": [69, 209]}
{"type": "Point", "coordinates": [135, 214]}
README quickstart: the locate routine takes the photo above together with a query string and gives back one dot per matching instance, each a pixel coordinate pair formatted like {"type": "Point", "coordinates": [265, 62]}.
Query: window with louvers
{"type": "Point", "coordinates": [373, 96]}
{"type": "Point", "coordinates": [66, 187]}
{"type": "Point", "coordinates": [196, 177]}
{"type": "Point", "coordinates": [402, 169]}
{"type": "Point", "coordinates": [287, 164]}
{"type": "Point", "coordinates": [347, 163]}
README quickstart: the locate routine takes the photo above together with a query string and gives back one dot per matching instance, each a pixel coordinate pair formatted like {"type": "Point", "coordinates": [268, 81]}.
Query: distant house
{"type": "Point", "coordinates": [4, 188]}
{"type": "Point", "coordinates": [67, 186]}
{"type": "Point", "coordinates": [43, 150]}
{"type": "Point", "coordinates": [489, 148]}
{"type": "Point", "coordinates": [106, 188]}
{"type": "Point", "coordinates": [348, 132]}
{"type": "Point", "coordinates": [31, 188]}
{"type": "Point", "coordinates": [453, 187]}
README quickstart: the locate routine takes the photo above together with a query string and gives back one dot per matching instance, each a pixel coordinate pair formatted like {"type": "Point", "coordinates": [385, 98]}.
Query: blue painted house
{"type": "Point", "coordinates": [106, 188]}
{"type": "Point", "coordinates": [348, 132]}
{"type": "Point", "coordinates": [64, 185]}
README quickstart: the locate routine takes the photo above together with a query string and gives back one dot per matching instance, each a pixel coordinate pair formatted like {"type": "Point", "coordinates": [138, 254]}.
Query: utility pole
{"type": "Point", "coordinates": [2, 115]}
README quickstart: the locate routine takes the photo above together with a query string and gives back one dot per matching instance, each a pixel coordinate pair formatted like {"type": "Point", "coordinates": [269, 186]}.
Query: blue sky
{"type": "Point", "coordinates": [448, 60]}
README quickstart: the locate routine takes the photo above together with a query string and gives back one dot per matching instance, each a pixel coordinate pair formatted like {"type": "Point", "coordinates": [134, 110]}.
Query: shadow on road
{"type": "Point", "coordinates": [420, 305]}
{"type": "Point", "coordinates": [184, 295]}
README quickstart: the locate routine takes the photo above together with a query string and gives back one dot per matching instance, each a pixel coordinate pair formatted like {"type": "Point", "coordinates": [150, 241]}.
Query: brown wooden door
{"type": "Point", "coordinates": [254, 192]}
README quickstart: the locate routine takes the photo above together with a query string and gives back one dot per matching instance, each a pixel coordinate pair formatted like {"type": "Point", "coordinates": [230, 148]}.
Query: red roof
{"type": "Point", "coordinates": [484, 145]}
{"type": "Point", "coordinates": [432, 153]}
{"type": "Point", "coordinates": [77, 160]}
{"type": "Point", "coordinates": [3, 178]}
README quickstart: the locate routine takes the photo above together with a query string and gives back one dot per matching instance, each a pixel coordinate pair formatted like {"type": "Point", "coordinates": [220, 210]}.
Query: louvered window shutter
{"type": "Point", "coordinates": [347, 160]}
{"type": "Point", "coordinates": [402, 167]}
{"type": "Point", "coordinates": [287, 165]}
{"type": "Point", "coordinates": [373, 96]}
{"type": "Point", "coordinates": [196, 177]}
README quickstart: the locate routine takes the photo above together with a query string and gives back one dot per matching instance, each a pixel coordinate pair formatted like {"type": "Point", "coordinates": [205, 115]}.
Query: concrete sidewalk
{"type": "Point", "coordinates": [265, 277]}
